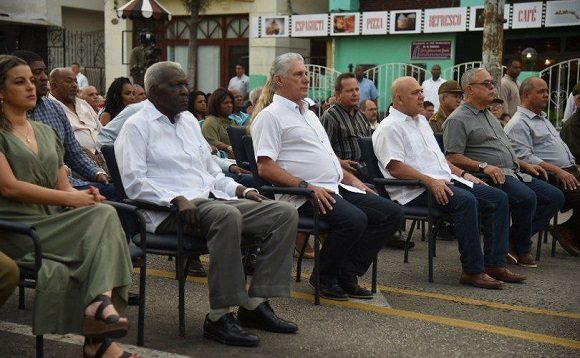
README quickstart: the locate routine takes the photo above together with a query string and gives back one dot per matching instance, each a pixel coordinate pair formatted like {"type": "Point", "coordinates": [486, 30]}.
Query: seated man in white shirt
{"type": "Point", "coordinates": [80, 114]}
{"type": "Point", "coordinates": [406, 149]}
{"type": "Point", "coordinates": [164, 159]}
{"type": "Point", "coordinates": [293, 150]}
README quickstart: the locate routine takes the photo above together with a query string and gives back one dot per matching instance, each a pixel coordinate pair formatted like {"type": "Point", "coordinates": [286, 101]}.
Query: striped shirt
{"type": "Point", "coordinates": [344, 129]}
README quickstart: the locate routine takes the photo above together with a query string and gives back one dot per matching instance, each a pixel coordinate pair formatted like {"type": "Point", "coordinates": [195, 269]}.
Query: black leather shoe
{"type": "Point", "coordinates": [399, 244]}
{"type": "Point", "coordinates": [331, 291]}
{"type": "Point", "coordinates": [264, 318]}
{"type": "Point", "coordinates": [356, 291]}
{"type": "Point", "coordinates": [227, 330]}
{"type": "Point", "coordinates": [196, 268]}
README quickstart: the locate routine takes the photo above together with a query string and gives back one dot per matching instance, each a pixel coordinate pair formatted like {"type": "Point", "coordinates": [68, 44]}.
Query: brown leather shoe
{"type": "Point", "coordinates": [566, 239]}
{"type": "Point", "coordinates": [527, 260]}
{"type": "Point", "coordinates": [481, 280]}
{"type": "Point", "coordinates": [503, 274]}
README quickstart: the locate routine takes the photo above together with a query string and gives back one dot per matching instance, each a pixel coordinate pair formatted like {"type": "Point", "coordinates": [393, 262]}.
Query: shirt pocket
{"type": "Point", "coordinates": [478, 136]}
{"type": "Point", "coordinates": [413, 145]}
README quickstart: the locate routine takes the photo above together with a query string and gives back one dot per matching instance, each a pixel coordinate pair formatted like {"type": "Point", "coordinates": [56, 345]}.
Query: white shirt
{"type": "Point", "coordinates": [570, 107]}
{"type": "Point", "coordinates": [431, 90]}
{"type": "Point", "coordinates": [84, 122]}
{"type": "Point", "coordinates": [82, 80]}
{"type": "Point", "coordinates": [159, 160]}
{"type": "Point", "coordinates": [240, 84]}
{"type": "Point", "coordinates": [411, 141]}
{"type": "Point", "coordinates": [294, 138]}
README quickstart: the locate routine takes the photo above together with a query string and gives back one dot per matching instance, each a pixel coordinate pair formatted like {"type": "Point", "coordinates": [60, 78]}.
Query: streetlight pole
{"type": "Point", "coordinates": [492, 51]}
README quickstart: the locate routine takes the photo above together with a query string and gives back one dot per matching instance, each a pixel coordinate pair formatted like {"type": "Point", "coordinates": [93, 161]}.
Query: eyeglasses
{"type": "Point", "coordinates": [487, 84]}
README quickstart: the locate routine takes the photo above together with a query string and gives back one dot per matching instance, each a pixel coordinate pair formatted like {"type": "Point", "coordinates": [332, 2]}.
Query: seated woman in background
{"type": "Point", "coordinates": [197, 105]}
{"type": "Point", "coordinates": [86, 265]}
{"type": "Point", "coordinates": [221, 106]}
{"type": "Point", "coordinates": [120, 94]}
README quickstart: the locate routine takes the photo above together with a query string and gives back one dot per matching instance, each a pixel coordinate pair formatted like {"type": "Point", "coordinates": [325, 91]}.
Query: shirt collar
{"type": "Point", "coordinates": [151, 112]}
{"type": "Point", "coordinates": [290, 104]}
{"type": "Point", "coordinates": [472, 108]}
{"type": "Point", "coordinates": [530, 114]}
{"type": "Point", "coordinates": [400, 115]}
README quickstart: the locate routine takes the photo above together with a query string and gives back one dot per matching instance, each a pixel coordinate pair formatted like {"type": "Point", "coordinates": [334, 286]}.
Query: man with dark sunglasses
{"type": "Point", "coordinates": [475, 141]}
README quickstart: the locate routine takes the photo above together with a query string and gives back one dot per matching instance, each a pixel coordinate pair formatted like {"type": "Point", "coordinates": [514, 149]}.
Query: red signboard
{"type": "Point", "coordinates": [430, 50]}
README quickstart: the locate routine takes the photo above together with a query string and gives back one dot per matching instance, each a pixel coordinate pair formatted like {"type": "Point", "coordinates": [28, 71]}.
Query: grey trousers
{"type": "Point", "coordinates": [223, 224]}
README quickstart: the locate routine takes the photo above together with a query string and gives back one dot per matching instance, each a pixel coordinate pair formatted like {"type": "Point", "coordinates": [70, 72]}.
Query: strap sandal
{"type": "Point", "coordinates": [100, 326]}
{"type": "Point", "coordinates": [105, 344]}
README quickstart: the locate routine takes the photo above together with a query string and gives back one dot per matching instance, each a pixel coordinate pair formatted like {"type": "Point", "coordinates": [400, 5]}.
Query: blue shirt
{"type": "Point", "coordinates": [367, 90]}
{"type": "Point", "coordinates": [51, 113]}
{"type": "Point", "coordinates": [240, 119]}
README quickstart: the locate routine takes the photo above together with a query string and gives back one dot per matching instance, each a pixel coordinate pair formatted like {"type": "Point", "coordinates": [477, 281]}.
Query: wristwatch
{"type": "Point", "coordinates": [482, 166]}
{"type": "Point", "coordinates": [303, 184]}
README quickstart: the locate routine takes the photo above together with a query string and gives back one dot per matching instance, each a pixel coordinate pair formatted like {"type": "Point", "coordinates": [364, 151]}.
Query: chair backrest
{"type": "Point", "coordinates": [248, 146]}
{"type": "Point", "coordinates": [439, 139]}
{"type": "Point", "coordinates": [369, 159]}
{"type": "Point", "coordinates": [236, 133]}
{"type": "Point", "coordinates": [109, 154]}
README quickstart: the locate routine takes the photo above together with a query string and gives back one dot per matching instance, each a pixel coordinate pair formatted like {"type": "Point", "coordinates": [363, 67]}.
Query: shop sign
{"type": "Point", "coordinates": [375, 23]}
{"type": "Point", "coordinates": [275, 26]}
{"type": "Point", "coordinates": [563, 13]}
{"type": "Point", "coordinates": [345, 24]}
{"type": "Point", "coordinates": [405, 22]}
{"type": "Point", "coordinates": [309, 25]}
{"type": "Point", "coordinates": [430, 50]}
{"type": "Point", "coordinates": [526, 15]}
{"type": "Point", "coordinates": [476, 17]}
{"type": "Point", "coordinates": [451, 19]}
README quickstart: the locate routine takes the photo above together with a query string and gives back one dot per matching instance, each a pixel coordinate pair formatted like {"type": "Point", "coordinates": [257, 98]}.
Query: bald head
{"type": "Point", "coordinates": [407, 96]}
{"type": "Point", "coordinates": [63, 85]}
{"type": "Point", "coordinates": [91, 95]}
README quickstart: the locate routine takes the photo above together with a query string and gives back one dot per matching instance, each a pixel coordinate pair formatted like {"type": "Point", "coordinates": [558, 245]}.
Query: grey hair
{"type": "Point", "coordinates": [136, 86]}
{"type": "Point", "coordinates": [55, 74]}
{"type": "Point", "coordinates": [469, 76]}
{"type": "Point", "coordinates": [255, 94]}
{"type": "Point", "coordinates": [154, 72]}
{"type": "Point", "coordinates": [281, 64]}
{"type": "Point", "coordinates": [527, 85]}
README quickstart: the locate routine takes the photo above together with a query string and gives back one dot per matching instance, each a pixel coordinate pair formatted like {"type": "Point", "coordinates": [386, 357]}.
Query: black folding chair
{"type": "Point", "coordinates": [182, 247]}
{"type": "Point", "coordinates": [236, 133]}
{"type": "Point", "coordinates": [415, 213]}
{"type": "Point", "coordinates": [308, 225]}
{"type": "Point", "coordinates": [29, 274]}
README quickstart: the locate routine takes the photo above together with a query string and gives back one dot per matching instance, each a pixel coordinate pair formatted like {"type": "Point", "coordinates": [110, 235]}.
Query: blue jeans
{"type": "Point", "coordinates": [107, 190]}
{"type": "Point", "coordinates": [360, 224]}
{"type": "Point", "coordinates": [467, 205]}
{"type": "Point", "coordinates": [532, 206]}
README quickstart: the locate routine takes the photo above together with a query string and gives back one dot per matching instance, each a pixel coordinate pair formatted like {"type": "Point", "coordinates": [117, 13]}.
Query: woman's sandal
{"type": "Point", "coordinates": [101, 327]}
{"type": "Point", "coordinates": [105, 344]}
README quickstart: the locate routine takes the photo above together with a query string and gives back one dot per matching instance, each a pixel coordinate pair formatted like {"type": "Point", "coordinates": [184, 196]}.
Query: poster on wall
{"type": "Point", "coordinates": [375, 23]}
{"type": "Point", "coordinates": [405, 22]}
{"type": "Point", "coordinates": [477, 18]}
{"type": "Point", "coordinates": [309, 25]}
{"type": "Point", "coordinates": [275, 26]}
{"type": "Point", "coordinates": [451, 19]}
{"type": "Point", "coordinates": [563, 13]}
{"type": "Point", "coordinates": [344, 24]}
{"type": "Point", "coordinates": [431, 50]}
{"type": "Point", "coordinates": [526, 15]}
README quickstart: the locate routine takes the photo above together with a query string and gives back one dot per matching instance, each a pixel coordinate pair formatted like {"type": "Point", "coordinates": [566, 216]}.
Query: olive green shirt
{"type": "Point", "coordinates": [570, 134]}
{"type": "Point", "coordinates": [214, 130]}
{"type": "Point", "coordinates": [436, 122]}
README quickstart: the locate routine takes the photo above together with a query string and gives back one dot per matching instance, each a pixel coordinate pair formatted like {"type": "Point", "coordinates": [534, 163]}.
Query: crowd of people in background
{"type": "Point", "coordinates": [173, 148]}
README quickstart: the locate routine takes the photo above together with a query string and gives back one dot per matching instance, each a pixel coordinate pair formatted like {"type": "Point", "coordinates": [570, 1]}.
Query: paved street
{"type": "Point", "coordinates": [410, 317]}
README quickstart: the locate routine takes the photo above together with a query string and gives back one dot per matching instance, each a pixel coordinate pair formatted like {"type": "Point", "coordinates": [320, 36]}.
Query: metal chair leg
{"type": "Point", "coordinates": [554, 235]}
{"type": "Point", "coordinates": [39, 346]}
{"type": "Point", "coordinates": [539, 246]}
{"type": "Point", "coordinates": [141, 318]}
{"type": "Point", "coordinates": [408, 239]}
{"type": "Point", "coordinates": [317, 267]}
{"type": "Point", "coordinates": [21, 294]}
{"type": "Point", "coordinates": [374, 275]}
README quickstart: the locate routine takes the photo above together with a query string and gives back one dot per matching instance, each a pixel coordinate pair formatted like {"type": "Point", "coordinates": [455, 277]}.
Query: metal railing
{"type": "Point", "coordinates": [561, 78]}
{"type": "Point", "coordinates": [384, 75]}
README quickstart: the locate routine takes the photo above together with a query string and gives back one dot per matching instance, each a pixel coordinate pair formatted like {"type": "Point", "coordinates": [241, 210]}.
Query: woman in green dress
{"type": "Point", "coordinates": [86, 264]}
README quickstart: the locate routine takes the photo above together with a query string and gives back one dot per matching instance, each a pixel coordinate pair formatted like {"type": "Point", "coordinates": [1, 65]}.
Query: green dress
{"type": "Point", "coordinates": [84, 250]}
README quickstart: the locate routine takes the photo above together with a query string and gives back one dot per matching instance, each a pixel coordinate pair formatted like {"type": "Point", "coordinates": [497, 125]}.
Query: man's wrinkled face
{"type": "Point", "coordinates": [66, 87]}
{"type": "Point", "coordinates": [410, 98]}
{"type": "Point", "coordinates": [294, 85]}
{"type": "Point", "coordinates": [538, 97]}
{"type": "Point", "coordinates": [496, 109]}
{"type": "Point", "coordinates": [348, 96]}
{"type": "Point", "coordinates": [450, 101]}
{"type": "Point", "coordinates": [171, 94]}
{"type": "Point", "coordinates": [38, 69]}
{"type": "Point", "coordinates": [482, 87]}
{"type": "Point", "coordinates": [371, 111]}
{"type": "Point", "coordinates": [91, 95]}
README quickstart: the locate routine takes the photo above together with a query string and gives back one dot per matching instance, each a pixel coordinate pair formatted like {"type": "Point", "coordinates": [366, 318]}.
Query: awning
{"type": "Point", "coordinates": [136, 9]}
